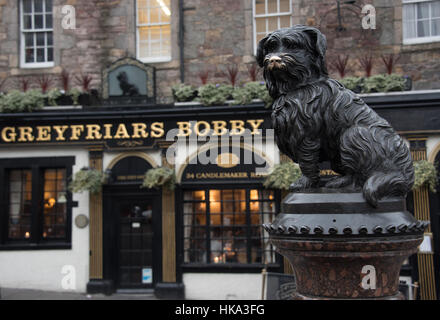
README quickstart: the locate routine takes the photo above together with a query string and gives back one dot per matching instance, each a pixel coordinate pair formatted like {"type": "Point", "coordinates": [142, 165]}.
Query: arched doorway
{"type": "Point", "coordinates": [131, 226]}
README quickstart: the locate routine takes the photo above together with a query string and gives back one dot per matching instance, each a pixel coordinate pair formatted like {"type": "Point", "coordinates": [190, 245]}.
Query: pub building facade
{"type": "Point", "coordinates": [203, 239]}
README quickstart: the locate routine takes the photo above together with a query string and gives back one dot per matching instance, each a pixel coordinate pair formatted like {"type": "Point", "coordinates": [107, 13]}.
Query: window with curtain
{"type": "Point", "coordinates": [223, 226]}
{"type": "Point", "coordinates": [421, 21]}
{"type": "Point", "coordinates": [36, 25]}
{"type": "Point", "coordinates": [270, 15]}
{"type": "Point", "coordinates": [153, 30]}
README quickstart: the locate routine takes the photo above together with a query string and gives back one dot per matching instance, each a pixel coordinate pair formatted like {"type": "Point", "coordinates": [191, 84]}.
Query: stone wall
{"type": "Point", "coordinates": [218, 34]}
{"type": "Point", "coordinates": [421, 62]}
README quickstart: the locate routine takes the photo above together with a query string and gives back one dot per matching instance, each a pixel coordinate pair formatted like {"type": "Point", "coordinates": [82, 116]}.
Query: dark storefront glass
{"type": "Point", "coordinates": [223, 226]}
{"type": "Point", "coordinates": [55, 211]}
{"type": "Point", "coordinates": [20, 204]}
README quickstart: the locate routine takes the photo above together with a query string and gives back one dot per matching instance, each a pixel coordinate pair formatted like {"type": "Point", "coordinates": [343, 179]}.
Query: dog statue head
{"type": "Point", "coordinates": [292, 57]}
{"type": "Point", "coordinates": [122, 77]}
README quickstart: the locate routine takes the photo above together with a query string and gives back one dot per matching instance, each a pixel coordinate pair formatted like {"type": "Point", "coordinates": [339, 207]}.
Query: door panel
{"type": "Point", "coordinates": [135, 243]}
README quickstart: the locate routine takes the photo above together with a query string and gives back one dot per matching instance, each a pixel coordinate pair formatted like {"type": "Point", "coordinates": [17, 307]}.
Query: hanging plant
{"type": "Point", "coordinates": [87, 180]}
{"type": "Point", "coordinates": [282, 176]}
{"type": "Point", "coordinates": [425, 175]}
{"type": "Point", "coordinates": [160, 177]}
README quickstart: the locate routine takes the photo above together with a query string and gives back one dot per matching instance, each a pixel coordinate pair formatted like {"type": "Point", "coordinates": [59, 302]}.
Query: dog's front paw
{"type": "Point", "coordinates": [302, 183]}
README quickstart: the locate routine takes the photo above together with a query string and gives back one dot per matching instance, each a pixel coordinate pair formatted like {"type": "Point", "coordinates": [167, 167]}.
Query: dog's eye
{"type": "Point", "coordinates": [271, 45]}
{"type": "Point", "coordinates": [290, 44]}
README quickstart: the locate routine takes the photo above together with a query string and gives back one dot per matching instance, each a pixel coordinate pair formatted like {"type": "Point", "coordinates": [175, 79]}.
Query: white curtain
{"type": "Point", "coordinates": [409, 21]}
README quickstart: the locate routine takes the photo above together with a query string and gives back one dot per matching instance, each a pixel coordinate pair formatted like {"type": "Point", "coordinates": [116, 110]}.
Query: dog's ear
{"type": "Point", "coordinates": [260, 51]}
{"type": "Point", "coordinates": [318, 40]}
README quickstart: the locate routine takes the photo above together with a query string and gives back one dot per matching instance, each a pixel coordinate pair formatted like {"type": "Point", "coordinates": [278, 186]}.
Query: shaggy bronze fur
{"type": "Point", "coordinates": [317, 119]}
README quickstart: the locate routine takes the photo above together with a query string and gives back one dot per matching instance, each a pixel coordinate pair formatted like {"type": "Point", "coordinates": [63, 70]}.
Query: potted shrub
{"type": "Point", "coordinates": [210, 95]}
{"type": "Point", "coordinates": [425, 175]}
{"type": "Point", "coordinates": [282, 176]}
{"type": "Point", "coordinates": [87, 180]}
{"type": "Point", "coordinates": [158, 178]}
{"type": "Point", "coordinates": [184, 93]}
{"type": "Point", "coordinates": [16, 101]}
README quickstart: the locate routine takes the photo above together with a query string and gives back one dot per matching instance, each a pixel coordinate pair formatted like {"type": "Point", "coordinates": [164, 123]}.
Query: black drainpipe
{"type": "Point", "coordinates": [181, 42]}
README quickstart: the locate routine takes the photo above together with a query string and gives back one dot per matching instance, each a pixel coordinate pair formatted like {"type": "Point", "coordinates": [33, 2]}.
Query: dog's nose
{"type": "Point", "coordinates": [274, 59]}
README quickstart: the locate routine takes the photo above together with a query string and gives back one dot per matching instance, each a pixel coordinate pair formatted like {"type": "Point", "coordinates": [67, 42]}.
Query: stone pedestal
{"type": "Point", "coordinates": [342, 248]}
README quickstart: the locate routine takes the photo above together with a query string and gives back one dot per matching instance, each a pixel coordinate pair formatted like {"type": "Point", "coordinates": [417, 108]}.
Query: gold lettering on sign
{"type": "Point", "coordinates": [157, 130]}
{"type": "Point", "coordinates": [121, 133]}
{"type": "Point", "coordinates": [237, 127]}
{"type": "Point", "coordinates": [139, 130]}
{"type": "Point", "coordinates": [221, 175]}
{"type": "Point", "coordinates": [43, 133]}
{"type": "Point", "coordinates": [184, 129]}
{"type": "Point", "coordinates": [76, 131]}
{"type": "Point", "coordinates": [136, 130]}
{"type": "Point", "coordinates": [93, 132]}
{"type": "Point", "coordinates": [220, 128]}
{"type": "Point", "coordinates": [255, 124]}
{"type": "Point", "coordinates": [25, 134]}
{"type": "Point", "coordinates": [8, 134]}
{"type": "Point", "coordinates": [60, 132]}
{"type": "Point", "coordinates": [205, 132]}
{"type": "Point", "coordinates": [107, 131]}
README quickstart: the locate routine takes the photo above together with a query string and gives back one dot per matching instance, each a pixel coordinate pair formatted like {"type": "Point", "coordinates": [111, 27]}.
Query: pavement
{"type": "Point", "coordinates": [25, 294]}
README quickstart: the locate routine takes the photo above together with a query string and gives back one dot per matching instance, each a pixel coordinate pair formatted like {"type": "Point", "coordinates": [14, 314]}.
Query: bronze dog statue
{"type": "Point", "coordinates": [317, 119]}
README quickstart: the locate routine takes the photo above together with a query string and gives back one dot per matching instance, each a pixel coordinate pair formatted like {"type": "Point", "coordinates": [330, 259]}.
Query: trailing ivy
{"type": "Point", "coordinates": [160, 177]}
{"type": "Point", "coordinates": [87, 180]}
{"type": "Point", "coordinates": [282, 176]}
{"type": "Point", "coordinates": [425, 175]}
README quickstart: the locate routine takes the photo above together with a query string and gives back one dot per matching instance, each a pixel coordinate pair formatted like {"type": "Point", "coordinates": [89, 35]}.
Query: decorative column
{"type": "Point", "coordinates": [96, 284]}
{"type": "Point", "coordinates": [425, 260]}
{"type": "Point", "coordinates": [169, 288]}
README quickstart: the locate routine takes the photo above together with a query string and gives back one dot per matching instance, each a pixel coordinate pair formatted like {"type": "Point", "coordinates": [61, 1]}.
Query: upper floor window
{"type": "Point", "coordinates": [421, 21]}
{"type": "Point", "coordinates": [36, 25]}
{"type": "Point", "coordinates": [153, 30]}
{"type": "Point", "coordinates": [270, 15]}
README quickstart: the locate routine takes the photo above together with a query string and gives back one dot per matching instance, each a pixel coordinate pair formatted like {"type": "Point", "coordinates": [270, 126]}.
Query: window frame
{"type": "Point", "coordinates": [37, 166]}
{"type": "Point", "coordinates": [268, 15]}
{"type": "Point", "coordinates": [416, 40]}
{"type": "Point", "coordinates": [225, 267]}
{"type": "Point", "coordinates": [23, 32]}
{"type": "Point", "coordinates": [138, 46]}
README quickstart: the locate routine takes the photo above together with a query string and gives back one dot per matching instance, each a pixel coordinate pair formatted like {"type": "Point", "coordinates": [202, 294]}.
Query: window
{"type": "Point", "coordinates": [38, 205]}
{"type": "Point", "coordinates": [270, 15]}
{"type": "Point", "coordinates": [20, 204]}
{"type": "Point", "coordinates": [36, 33]}
{"type": "Point", "coordinates": [224, 226]}
{"type": "Point", "coordinates": [153, 30]}
{"type": "Point", "coordinates": [421, 21]}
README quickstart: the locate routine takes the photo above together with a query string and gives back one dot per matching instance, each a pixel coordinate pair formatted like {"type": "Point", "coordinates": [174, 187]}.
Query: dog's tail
{"type": "Point", "coordinates": [382, 184]}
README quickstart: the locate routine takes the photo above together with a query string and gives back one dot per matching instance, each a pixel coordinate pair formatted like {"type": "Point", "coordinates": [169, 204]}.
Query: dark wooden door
{"type": "Point", "coordinates": [135, 243]}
